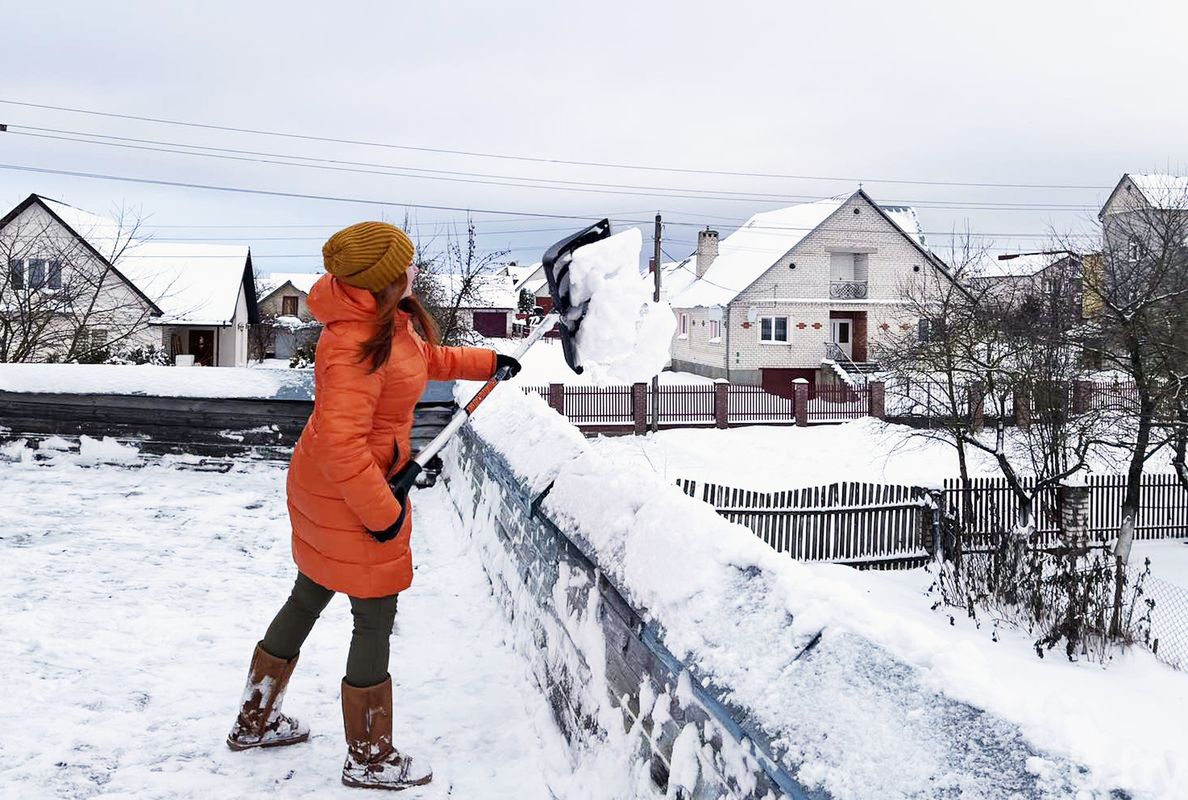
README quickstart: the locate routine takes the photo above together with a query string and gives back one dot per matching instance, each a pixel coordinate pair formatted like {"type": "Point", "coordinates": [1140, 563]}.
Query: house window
{"type": "Point", "coordinates": [55, 275]}
{"type": "Point", "coordinates": [924, 330]}
{"type": "Point", "coordinates": [289, 306]}
{"type": "Point", "coordinates": [683, 328]}
{"type": "Point", "coordinates": [16, 273]}
{"type": "Point", "coordinates": [773, 330]}
{"type": "Point", "coordinates": [1133, 250]}
{"type": "Point", "coordinates": [715, 330]}
{"type": "Point", "coordinates": [36, 273]}
{"type": "Point", "coordinates": [93, 340]}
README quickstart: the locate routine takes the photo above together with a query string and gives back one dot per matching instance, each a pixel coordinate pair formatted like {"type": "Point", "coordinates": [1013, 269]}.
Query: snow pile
{"type": "Point", "coordinates": [624, 337]}
{"type": "Point", "coordinates": [793, 644]}
{"type": "Point", "coordinates": [102, 451]}
{"type": "Point", "coordinates": [149, 380]}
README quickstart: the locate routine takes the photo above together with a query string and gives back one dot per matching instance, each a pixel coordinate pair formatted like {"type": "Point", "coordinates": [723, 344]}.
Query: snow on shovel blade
{"type": "Point", "coordinates": [556, 267]}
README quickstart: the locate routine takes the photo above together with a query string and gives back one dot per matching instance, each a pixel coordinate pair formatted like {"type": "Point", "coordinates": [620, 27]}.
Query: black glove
{"type": "Point", "coordinates": [389, 533]}
{"type": "Point", "coordinates": [513, 366]}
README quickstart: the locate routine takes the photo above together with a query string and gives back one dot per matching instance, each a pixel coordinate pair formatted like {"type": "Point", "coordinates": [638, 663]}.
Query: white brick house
{"type": "Point", "coordinates": [796, 291]}
{"type": "Point", "coordinates": [189, 299]}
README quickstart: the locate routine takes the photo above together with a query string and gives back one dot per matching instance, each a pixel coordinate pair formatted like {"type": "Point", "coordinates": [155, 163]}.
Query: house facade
{"type": "Point", "coordinates": [121, 292]}
{"type": "Point", "coordinates": [802, 292]}
{"type": "Point", "coordinates": [284, 310]}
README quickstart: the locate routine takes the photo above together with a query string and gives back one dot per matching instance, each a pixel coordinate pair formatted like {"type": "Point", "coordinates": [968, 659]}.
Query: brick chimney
{"type": "Point", "coordinates": [707, 250]}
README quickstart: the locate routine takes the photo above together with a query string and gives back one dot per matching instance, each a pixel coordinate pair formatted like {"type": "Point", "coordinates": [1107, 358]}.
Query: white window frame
{"type": "Point", "coordinates": [715, 330]}
{"type": "Point", "coordinates": [682, 325]}
{"type": "Point", "coordinates": [774, 341]}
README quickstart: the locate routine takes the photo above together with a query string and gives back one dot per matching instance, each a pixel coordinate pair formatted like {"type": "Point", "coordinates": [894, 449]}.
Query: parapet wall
{"type": "Point", "coordinates": [683, 650]}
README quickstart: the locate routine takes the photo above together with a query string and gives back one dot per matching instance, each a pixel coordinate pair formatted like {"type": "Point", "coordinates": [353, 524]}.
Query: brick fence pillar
{"type": "Point", "coordinates": [800, 401]}
{"type": "Point", "coordinates": [878, 399]}
{"type": "Point", "coordinates": [977, 405]}
{"type": "Point", "coordinates": [1022, 407]}
{"type": "Point", "coordinates": [722, 403]}
{"type": "Point", "coordinates": [639, 407]}
{"type": "Point", "coordinates": [1082, 392]}
{"type": "Point", "coordinates": [1074, 515]}
{"type": "Point", "coordinates": [557, 397]}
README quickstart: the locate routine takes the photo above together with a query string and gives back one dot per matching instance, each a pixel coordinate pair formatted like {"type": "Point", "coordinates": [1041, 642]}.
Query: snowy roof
{"type": "Point", "coordinates": [1163, 190]}
{"type": "Point", "coordinates": [518, 272]}
{"type": "Point", "coordinates": [1016, 265]}
{"type": "Point", "coordinates": [531, 278]}
{"type": "Point", "coordinates": [302, 281]}
{"type": "Point", "coordinates": [192, 284]}
{"type": "Point", "coordinates": [491, 291]}
{"type": "Point", "coordinates": [750, 251]}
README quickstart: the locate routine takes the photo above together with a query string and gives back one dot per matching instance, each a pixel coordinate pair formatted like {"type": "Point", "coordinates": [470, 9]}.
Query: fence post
{"type": "Point", "coordinates": [977, 405]}
{"type": "Point", "coordinates": [1074, 514]}
{"type": "Point", "coordinates": [1022, 407]}
{"type": "Point", "coordinates": [878, 399]}
{"type": "Point", "coordinates": [639, 407]}
{"type": "Point", "coordinates": [1082, 391]}
{"type": "Point", "coordinates": [557, 397]}
{"type": "Point", "coordinates": [800, 401]}
{"type": "Point", "coordinates": [722, 403]}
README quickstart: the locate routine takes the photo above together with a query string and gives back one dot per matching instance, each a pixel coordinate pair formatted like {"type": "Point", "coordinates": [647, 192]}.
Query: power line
{"type": "Point", "coordinates": [485, 179]}
{"type": "Point", "coordinates": [542, 160]}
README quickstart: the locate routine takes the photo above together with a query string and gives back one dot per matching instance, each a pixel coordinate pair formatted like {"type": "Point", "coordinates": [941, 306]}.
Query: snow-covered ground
{"type": "Point", "coordinates": [773, 458]}
{"type": "Point", "coordinates": [545, 363]}
{"type": "Point", "coordinates": [131, 597]}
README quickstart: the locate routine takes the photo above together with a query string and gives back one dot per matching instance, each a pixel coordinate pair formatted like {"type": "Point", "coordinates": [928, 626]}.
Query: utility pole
{"type": "Point", "coordinates": [656, 297]}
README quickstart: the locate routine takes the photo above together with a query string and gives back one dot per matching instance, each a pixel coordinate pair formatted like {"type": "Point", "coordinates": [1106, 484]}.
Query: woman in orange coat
{"type": "Point", "coordinates": [350, 534]}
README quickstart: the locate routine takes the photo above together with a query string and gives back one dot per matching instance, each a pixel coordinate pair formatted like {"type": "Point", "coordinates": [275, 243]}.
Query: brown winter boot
{"type": "Point", "coordinates": [372, 762]}
{"type": "Point", "coordinates": [260, 723]}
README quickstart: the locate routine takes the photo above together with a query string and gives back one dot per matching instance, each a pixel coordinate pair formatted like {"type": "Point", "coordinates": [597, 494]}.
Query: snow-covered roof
{"type": "Point", "coordinates": [1016, 265]}
{"type": "Point", "coordinates": [490, 291]}
{"type": "Point", "coordinates": [518, 272]}
{"type": "Point", "coordinates": [750, 251]}
{"type": "Point", "coordinates": [192, 284]}
{"type": "Point", "coordinates": [302, 281]}
{"type": "Point", "coordinates": [531, 279]}
{"type": "Point", "coordinates": [1163, 190]}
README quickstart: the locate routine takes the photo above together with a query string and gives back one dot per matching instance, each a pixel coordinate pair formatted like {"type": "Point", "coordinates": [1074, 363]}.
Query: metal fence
{"type": "Point", "coordinates": [987, 507]}
{"type": "Point", "coordinates": [754, 404]}
{"type": "Point", "coordinates": [832, 403]}
{"type": "Point", "coordinates": [685, 404]}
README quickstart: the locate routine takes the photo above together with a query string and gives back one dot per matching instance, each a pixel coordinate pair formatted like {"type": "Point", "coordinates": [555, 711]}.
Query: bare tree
{"type": "Point", "coordinates": [1137, 288]}
{"type": "Point", "coordinates": [454, 283]}
{"type": "Point", "coordinates": [262, 335]}
{"type": "Point", "coordinates": [58, 300]}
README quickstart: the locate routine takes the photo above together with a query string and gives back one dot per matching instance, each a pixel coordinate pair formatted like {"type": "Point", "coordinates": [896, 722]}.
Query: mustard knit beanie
{"type": "Point", "coordinates": [369, 255]}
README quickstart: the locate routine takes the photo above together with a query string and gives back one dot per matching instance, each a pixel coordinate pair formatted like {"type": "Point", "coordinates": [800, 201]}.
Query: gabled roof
{"type": "Point", "coordinates": [747, 254]}
{"type": "Point", "coordinates": [185, 283]}
{"type": "Point", "coordinates": [532, 279]}
{"type": "Point", "coordinates": [301, 281]}
{"type": "Point", "coordinates": [1159, 190]}
{"type": "Point", "coordinates": [62, 213]}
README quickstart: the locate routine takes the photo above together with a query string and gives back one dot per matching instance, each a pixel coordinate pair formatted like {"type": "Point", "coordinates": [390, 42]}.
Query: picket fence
{"type": "Point", "coordinates": [868, 525]}
{"type": "Point", "coordinates": [992, 509]}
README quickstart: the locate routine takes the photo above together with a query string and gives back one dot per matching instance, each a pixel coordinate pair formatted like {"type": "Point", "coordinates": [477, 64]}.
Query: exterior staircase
{"type": "Point", "coordinates": [854, 373]}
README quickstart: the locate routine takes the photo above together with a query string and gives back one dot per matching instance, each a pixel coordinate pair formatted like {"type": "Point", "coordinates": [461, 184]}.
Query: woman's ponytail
{"type": "Point", "coordinates": [378, 348]}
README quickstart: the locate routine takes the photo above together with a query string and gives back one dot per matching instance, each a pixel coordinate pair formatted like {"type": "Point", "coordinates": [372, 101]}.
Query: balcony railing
{"type": "Point", "coordinates": [847, 290]}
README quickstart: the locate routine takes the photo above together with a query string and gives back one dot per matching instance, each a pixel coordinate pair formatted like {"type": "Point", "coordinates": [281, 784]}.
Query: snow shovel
{"type": "Point", "coordinates": [565, 314]}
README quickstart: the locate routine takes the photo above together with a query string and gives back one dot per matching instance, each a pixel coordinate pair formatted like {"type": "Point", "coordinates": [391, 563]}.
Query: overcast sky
{"type": "Point", "coordinates": [1053, 93]}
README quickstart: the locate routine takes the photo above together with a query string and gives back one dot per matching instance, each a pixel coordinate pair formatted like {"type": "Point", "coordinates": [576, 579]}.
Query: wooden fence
{"type": "Point", "coordinates": [991, 508]}
{"type": "Point", "coordinates": [860, 524]}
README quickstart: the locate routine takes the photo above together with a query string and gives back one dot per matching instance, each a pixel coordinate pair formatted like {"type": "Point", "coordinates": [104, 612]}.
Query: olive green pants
{"type": "Point", "coordinates": [367, 661]}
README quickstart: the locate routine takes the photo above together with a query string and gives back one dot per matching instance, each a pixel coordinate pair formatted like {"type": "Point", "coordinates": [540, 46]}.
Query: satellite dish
{"type": "Point", "coordinates": [752, 315]}
{"type": "Point", "coordinates": [716, 313]}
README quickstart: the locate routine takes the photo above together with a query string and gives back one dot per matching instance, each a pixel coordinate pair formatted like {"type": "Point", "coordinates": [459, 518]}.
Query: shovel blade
{"type": "Point", "coordinates": [556, 266]}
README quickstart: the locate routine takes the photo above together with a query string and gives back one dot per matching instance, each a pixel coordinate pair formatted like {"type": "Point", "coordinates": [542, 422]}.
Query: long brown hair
{"type": "Point", "coordinates": [387, 300]}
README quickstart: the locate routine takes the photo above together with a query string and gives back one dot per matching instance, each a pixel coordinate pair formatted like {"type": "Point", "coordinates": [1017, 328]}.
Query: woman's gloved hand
{"type": "Point", "coordinates": [502, 361]}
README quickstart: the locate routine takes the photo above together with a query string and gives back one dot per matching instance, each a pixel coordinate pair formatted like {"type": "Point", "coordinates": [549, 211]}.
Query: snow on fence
{"type": "Point", "coordinates": [860, 524]}
{"type": "Point", "coordinates": [991, 508]}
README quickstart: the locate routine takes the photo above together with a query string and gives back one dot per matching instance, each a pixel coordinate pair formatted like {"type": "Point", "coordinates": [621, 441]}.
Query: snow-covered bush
{"type": "Point", "coordinates": [303, 356]}
{"type": "Point", "coordinates": [150, 354]}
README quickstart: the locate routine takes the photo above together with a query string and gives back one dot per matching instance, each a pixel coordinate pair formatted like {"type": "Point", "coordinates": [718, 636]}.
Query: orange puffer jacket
{"type": "Point", "coordinates": [358, 435]}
